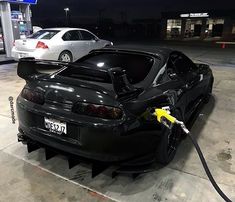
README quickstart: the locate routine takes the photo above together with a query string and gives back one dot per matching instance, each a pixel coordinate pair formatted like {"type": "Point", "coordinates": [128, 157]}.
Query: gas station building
{"type": "Point", "coordinates": [204, 25]}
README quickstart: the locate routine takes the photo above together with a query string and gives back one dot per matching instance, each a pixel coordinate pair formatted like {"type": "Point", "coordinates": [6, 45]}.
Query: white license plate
{"type": "Point", "coordinates": [22, 55]}
{"type": "Point", "coordinates": [55, 126]}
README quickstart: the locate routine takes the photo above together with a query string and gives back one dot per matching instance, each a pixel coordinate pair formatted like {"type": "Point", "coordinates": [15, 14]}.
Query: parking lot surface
{"type": "Point", "coordinates": [31, 178]}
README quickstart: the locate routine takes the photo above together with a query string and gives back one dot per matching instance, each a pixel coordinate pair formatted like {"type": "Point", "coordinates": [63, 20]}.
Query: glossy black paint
{"type": "Point", "coordinates": [109, 140]}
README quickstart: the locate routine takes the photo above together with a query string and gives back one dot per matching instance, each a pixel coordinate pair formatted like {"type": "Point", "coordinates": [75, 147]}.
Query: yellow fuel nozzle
{"type": "Point", "coordinates": [164, 117]}
{"type": "Point", "coordinates": [161, 114]}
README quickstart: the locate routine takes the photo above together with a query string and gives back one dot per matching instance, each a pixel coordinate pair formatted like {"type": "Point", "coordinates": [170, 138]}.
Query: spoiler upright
{"type": "Point", "coordinates": [120, 82]}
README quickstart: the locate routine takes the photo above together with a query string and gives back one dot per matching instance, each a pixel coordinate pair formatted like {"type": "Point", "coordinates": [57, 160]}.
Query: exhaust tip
{"type": "Point", "coordinates": [22, 138]}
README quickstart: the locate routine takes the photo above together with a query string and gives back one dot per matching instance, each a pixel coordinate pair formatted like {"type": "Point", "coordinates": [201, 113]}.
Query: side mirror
{"type": "Point", "coordinates": [96, 39]}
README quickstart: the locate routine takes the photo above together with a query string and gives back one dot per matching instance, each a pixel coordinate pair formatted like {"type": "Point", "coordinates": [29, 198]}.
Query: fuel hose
{"type": "Point", "coordinates": [163, 116]}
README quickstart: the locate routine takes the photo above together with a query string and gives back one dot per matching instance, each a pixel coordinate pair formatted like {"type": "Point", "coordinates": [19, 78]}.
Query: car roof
{"type": "Point", "coordinates": [64, 28]}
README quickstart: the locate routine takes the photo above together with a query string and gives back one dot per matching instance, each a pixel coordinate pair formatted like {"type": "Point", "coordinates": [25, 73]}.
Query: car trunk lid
{"type": "Point", "coordinates": [70, 91]}
{"type": "Point", "coordinates": [27, 44]}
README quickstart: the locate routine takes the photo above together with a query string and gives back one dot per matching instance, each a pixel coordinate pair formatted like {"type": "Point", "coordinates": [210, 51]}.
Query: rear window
{"type": "Point", "coordinates": [44, 34]}
{"type": "Point", "coordinates": [137, 66]}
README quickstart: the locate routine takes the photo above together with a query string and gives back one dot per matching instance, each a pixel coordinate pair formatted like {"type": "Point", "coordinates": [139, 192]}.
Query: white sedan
{"type": "Point", "coordinates": [65, 44]}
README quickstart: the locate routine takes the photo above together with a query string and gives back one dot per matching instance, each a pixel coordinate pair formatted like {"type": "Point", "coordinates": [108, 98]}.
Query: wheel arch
{"type": "Point", "coordinates": [66, 50]}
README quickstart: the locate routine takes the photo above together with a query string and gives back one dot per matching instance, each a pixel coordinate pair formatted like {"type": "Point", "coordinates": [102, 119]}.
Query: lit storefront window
{"type": "Point", "coordinates": [174, 28]}
{"type": "Point", "coordinates": [233, 29]}
{"type": "Point", "coordinates": [193, 28]}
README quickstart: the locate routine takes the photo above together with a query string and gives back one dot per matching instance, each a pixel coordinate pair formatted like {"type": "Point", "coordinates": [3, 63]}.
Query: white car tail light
{"type": "Point", "coordinates": [42, 45]}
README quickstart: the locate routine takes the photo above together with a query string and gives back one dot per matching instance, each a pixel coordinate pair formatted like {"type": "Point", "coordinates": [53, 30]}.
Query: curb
{"type": "Point", "coordinates": [5, 62]}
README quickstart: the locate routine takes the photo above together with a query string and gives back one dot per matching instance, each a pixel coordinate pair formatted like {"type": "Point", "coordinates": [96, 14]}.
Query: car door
{"type": "Point", "coordinates": [92, 40]}
{"type": "Point", "coordinates": [74, 43]}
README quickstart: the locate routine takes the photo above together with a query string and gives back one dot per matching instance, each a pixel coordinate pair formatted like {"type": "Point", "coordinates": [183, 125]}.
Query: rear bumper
{"type": "Point", "coordinates": [40, 54]}
{"type": "Point", "coordinates": [105, 142]}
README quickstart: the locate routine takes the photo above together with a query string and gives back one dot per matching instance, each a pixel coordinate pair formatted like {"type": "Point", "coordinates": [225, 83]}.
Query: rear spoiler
{"type": "Point", "coordinates": [27, 69]}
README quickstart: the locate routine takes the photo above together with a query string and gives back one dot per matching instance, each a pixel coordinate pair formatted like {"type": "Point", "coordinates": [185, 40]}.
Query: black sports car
{"type": "Point", "coordinates": [100, 107]}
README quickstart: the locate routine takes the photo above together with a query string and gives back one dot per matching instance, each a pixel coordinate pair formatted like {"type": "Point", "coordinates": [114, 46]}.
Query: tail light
{"type": "Point", "coordinates": [33, 96]}
{"type": "Point", "coordinates": [101, 111]}
{"type": "Point", "coordinates": [42, 45]}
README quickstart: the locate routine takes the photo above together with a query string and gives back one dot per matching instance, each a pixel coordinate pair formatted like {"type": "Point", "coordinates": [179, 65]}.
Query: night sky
{"type": "Point", "coordinates": [120, 9]}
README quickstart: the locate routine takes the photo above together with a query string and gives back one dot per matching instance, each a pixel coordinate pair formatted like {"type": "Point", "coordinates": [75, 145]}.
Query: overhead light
{"type": "Point", "coordinates": [184, 15]}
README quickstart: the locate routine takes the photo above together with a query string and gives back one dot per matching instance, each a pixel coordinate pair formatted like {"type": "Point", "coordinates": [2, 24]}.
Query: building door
{"type": "Point", "coordinates": [197, 29]}
{"type": "Point", "coordinates": [217, 30]}
{"type": "Point", "coordinates": [193, 28]}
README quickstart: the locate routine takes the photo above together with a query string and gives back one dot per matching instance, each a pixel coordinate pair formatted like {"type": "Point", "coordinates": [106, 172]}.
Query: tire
{"type": "Point", "coordinates": [66, 56]}
{"type": "Point", "coordinates": [209, 92]}
{"type": "Point", "coordinates": [169, 142]}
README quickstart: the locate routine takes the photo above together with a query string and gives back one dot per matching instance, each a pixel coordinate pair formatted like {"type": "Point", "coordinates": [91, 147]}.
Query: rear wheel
{"type": "Point", "coordinates": [66, 56]}
{"type": "Point", "coordinates": [169, 142]}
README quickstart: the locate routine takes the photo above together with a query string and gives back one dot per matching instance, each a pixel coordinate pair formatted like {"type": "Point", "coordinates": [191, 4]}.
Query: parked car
{"type": "Point", "coordinates": [65, 44]}
{"type": "Point", "coordinates": [95, 108]}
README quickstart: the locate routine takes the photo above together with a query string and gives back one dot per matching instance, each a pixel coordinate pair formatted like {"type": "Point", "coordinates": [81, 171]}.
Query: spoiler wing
{"type": "Point", "coordinates": [27, 69]}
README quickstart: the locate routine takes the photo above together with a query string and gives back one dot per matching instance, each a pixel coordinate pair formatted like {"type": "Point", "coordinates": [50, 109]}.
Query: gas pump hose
{"type": "Point", "coordinates": [166, 119]}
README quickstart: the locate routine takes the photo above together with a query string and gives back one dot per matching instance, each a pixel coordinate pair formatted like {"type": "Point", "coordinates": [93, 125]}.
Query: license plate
{"type": "Point", "coordinates": [55, 126]}
{"type": "Point", "coordinates": [22, 55]}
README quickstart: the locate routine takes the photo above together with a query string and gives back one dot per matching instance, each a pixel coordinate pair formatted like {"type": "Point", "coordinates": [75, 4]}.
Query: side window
{"type": "Point", "coordinates": [72, 36]}
{"type": "Point", "coordinates": [182, 65]}
{"type": "Point", "coordinates": [87, 36]}
{"type": "Point", "coordinates": [192, 66]}
{"type": "Point", "coordinates": [171, 69]}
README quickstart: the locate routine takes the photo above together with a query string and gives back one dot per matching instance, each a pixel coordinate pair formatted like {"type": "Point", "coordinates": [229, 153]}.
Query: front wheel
{"type": "Point", "coordinates": [169, 142]}
{"type": "Point", "coordinates": [66, 56]}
